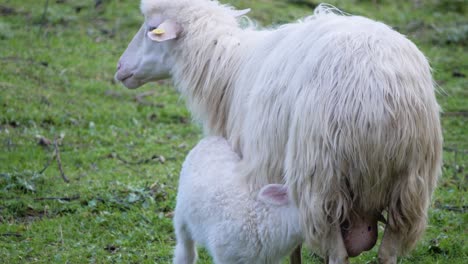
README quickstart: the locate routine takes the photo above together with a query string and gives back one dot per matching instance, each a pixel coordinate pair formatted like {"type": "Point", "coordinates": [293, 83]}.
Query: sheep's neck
{"type": "Point", "coordinates": [205, 77]}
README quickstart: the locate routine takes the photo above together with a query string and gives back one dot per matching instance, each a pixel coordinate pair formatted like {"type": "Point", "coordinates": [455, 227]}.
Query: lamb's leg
{"type": "Point", "coordinates": [336, 250]}
{"type": "Point", "coordinates": [295, 257]}
{"type": "Point", "coordinates": [185, 251]}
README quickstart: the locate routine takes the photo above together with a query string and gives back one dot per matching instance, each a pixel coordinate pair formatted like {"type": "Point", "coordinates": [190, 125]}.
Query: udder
{"type": "Point", "coordinates": [359, 233]}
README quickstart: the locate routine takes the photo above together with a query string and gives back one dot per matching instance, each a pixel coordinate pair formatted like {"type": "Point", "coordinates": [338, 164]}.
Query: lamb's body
{"type": "Point", "coordinates": [340, 108]}
{"type": "Point", "coordinates": [216, 209]}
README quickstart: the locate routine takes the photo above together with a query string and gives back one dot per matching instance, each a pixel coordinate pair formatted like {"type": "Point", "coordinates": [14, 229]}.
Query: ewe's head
{"type": "Point", "coordinates": [150, 55]}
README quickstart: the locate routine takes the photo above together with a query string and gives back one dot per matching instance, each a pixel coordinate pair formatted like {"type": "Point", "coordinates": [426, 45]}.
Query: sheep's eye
{"type": "Point", "coordinates": [151, 28]}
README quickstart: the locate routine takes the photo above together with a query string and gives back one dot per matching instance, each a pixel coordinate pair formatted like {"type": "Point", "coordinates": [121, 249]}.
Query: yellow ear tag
{"type": "Point", "coordinates": [158, 31]}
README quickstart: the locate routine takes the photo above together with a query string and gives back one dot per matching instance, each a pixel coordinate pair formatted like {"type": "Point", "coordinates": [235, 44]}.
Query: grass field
{"type": "Point", "coordinates": [121, 150]}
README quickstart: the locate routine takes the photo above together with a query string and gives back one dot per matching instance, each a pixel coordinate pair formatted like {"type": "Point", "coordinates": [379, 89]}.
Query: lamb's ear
{"type": "Point", "coordinates": [239, 13]}
{"type": "Point", "coordinates": [167, 30]}
{"type": "Point", "coordinates": [275, 194]}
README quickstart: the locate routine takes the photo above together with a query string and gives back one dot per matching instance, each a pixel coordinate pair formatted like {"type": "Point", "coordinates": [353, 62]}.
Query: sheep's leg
{"type": "Point", "coordinates": [185, 251]}
{"type": "Point", "coordinates": [295, 257]}
{"type": "Point", "coordinates": [407, 216]}
{"type": "Point", "coordinates": [388, 251]}
{"type": "Point", "coordinates": [336, 250]}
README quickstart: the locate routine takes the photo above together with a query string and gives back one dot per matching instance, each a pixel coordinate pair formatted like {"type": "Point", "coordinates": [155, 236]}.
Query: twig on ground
{"type": "Point", "coordinates": [145, 94]}
{"type": "Point", "coordinates": [140, 98]}
{"type": "Point", "coordinates": [144, 161]}
{"type": "Point", "coordinates": [61, 235]}
{"type": "Point", "coordinates": [44, 13]}
{"type": "Point", "coordinates": [4, 10]}
{"type": "Point", "coordinates": [66, 199]}
{"type": "Point", "coordinates": [59, 162]}
{"type": "Point", "coordinates": [11, 235]}
{"type": "Point", "coordinates": [458, 209]}
{"type": "Point", "coordinates": [461, 113]}
{"type": "Point", "coordinates": [24, 60]}
{"type": "Point", "coordinates": [48, 163]}
{"type": "Point", "coordinates": [12, 58]}
{"type": "Point", "coordinates": [456, 150]}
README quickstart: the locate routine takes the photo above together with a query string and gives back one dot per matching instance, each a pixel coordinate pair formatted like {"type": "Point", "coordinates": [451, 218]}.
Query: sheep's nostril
{"type": "Point", "coordinates": [119, 65]}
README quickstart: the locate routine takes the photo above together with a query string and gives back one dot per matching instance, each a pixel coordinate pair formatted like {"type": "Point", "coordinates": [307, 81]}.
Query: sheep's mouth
{"type": "Point", "coordinates": [123, 79]}
{"type": "Point", "coordinates": [131, 81]}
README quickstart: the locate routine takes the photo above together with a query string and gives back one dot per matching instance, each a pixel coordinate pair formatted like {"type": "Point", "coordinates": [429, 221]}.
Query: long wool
{"type": "Point", "coordinates": [340, 108]}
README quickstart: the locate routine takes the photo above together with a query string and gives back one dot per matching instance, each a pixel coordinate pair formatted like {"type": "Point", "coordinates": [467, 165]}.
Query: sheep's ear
{"type": "Point", "coordinates": [167, 30]}
{"type": "Point", "coordinates": [275, 194]}
{"type": "Point", "coordinates": [239, 13]}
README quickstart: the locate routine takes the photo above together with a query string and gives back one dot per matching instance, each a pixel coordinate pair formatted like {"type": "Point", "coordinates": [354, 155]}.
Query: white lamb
{"type": "Point", "coordinates": [216, 209]}
{"type": "Point", "coordinates": [340, 108]}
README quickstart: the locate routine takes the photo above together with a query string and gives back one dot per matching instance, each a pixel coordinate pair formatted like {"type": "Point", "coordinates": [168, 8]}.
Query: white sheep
{"type": "Point", "coordinates": [340, 108]}
{"type": "Point", "coordinates": [216, 209]}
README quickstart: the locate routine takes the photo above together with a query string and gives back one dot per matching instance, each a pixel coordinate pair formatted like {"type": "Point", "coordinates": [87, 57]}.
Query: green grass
{"type": "Point", "coordinates": [122, 151]}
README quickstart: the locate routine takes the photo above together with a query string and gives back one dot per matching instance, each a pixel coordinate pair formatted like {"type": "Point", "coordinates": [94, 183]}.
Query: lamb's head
{"type": "Point", "coordinates": [150, 56]}
{"type": "Point", "coordinates": [276, 196]}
